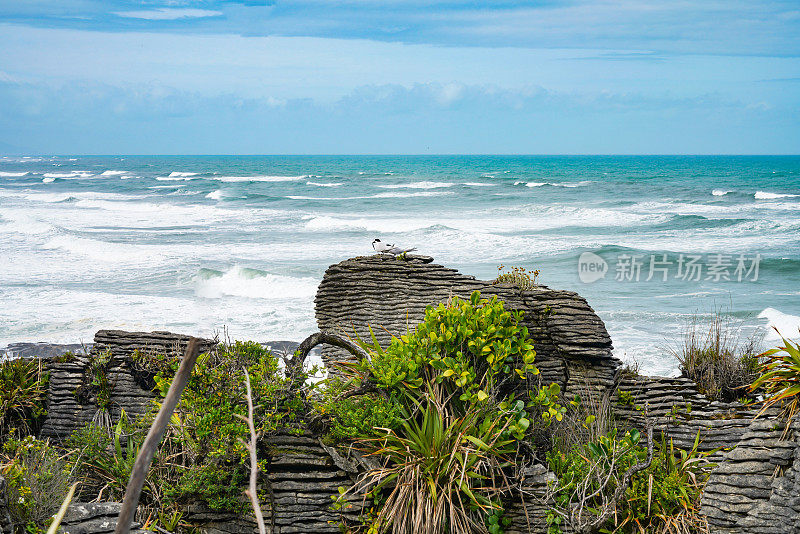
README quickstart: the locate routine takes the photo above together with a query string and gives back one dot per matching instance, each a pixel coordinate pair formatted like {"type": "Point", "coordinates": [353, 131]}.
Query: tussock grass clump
{"type": "Point", "coordinates": [718, 357]}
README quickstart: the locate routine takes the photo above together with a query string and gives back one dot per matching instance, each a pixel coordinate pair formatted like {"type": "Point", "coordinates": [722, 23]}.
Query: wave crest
{"type": "Point", "coordinates": [252, 283]}
{"type": "Point", "coordinates": [766, 195]}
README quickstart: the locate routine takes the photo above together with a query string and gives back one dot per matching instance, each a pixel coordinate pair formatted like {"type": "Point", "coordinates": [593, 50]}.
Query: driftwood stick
{"type": "Point", "coordinates": [154, 435]}
{"type": "Point", "coordinates": [252, 491]}
{"type": "Point", "coordinates": [323, 338]}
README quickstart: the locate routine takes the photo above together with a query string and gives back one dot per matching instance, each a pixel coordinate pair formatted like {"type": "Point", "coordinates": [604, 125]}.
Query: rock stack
{"type": "Point", "coordinates": [390, 295]}
{"type": "Point", "coordinates": [66, 413]}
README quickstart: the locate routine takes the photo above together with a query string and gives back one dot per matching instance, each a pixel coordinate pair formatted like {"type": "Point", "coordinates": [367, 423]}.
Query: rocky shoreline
{"type": "Point", "coordinates": [755, 488]}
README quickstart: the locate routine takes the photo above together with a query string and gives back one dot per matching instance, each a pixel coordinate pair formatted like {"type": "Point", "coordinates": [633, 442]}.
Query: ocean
{"type": "Point", "coordinates": [237, 245]}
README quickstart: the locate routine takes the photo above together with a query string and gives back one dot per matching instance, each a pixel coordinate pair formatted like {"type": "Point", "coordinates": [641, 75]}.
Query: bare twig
{"type": "Point", "coordinates": [252, 491]}
{"type": "Point", "coordinates": [154, 435]}
{"type": "Point", "coordinates": [589, 505]}
{"type": "Point", "coordinates": [295, 365]}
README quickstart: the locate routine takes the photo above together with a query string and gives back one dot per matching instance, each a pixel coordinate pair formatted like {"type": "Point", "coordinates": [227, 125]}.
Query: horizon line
{"type": "Point", "coordinates": [398, 154]}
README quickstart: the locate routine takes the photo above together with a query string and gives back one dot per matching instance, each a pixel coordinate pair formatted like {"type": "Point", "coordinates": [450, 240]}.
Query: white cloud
{"type": "Point", "coordinates": [7, 78]}
{"type": "Point", "coordinates": [169, 13]}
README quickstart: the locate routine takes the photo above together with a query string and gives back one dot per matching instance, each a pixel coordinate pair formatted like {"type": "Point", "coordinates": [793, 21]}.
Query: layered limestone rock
{"type": "Point", "coordinates": [94, 518]}
{"type": "Point", "coordinates": [390, 295]}
{"type": "Point", "coordinates": [6, 525]}
{"type": "Point", "coordinates": [754, 490]}
{"type": "Point", "coordinates": [68, 412]}
{"type": "Point", "coordinates": [299, 482]}
{"type": "Point", "coordinates": [677, 408]}
{"type": "Point", "coordinates": [756, 487]}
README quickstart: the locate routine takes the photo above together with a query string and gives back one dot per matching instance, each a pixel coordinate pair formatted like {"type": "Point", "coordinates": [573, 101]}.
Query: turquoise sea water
{"type": "Point", "coordinates": [200, 244]}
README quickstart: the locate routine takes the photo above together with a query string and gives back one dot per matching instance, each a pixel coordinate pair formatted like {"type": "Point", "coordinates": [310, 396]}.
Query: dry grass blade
{"type": "Point", "coordinates": [63, 510]}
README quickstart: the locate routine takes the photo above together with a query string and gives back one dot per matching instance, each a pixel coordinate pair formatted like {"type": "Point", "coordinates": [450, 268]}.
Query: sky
{"type": "Point", "coordinates": [400, 77]}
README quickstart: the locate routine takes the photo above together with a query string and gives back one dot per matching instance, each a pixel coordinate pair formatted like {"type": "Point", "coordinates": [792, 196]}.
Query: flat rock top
{"type": "Point", "coordinates": [42, 350]}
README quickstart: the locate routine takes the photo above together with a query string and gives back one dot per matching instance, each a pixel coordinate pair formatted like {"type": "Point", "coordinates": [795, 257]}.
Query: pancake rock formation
{"type": "Point", "coordinates": [755, 488]}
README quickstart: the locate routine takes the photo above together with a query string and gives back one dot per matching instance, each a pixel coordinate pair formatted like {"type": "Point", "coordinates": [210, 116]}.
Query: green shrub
{"type": "Point", "coordinates": [463, 383]}
{"type": "Point", "coordinates": [201, 457]}
{"type": "Point", "coordinates": [780, 377]}
{"type": "Point", "coordinates": [357, 418]}
{"type": "Point", "coordinates": [204, 442]}
{"type": "Point", "coordinates": [662, 498]}
{"type": "Point", "coordinates": [473, 347]}
{"type": "Point", "coordinates": [23, 395]}
{"type": "Point", "coordinates": [38, 476]}
{"type": "Point", "coordinates": [519, 277]}
{"type": "Point", "coordinates": [106, 461]}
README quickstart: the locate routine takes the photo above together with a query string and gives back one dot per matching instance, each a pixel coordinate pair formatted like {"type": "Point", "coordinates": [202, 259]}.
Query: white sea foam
{"type": "Point", "coordinates": [12, 174]}
{"type": "Point", "coordinates": [104, 251]}
{"type": "Point", "coordinates": [22, 222]}
{"type": "Point", "coordinates": [418, 185]}
{"type": "Point", "coordinates": [378, 195]}
{"type": "Point", "coordinates": [720, 192]}
{"type": "Point", "coordinates": [77, 195]}
{"type": "Point", "coordinates": [49, 197]}
{"type": "Point", "coordinates": [419, 194]}
{"type": "Point", "coordinates": [325, 184]}
{"type": "Point", "coordinates": [556, 184]}
{"type": "Point", "coordinates": [171, 178]}
{"type": "Point", "coordinates": [48, 180]}
{"type": "Point", "coordinates": [787, 325]}
{"type": "Point", "coordinates": [215, 195]}
{"type": "Point", "coordinates": [251, 283]}
{"type": "Point", "coordinates": [765, 195]}
{"type": "Point", "coordinates": [113, 173]}
{"type": "Point", "coordinates": [260, 178]}
{"type": "Point", "coordinates": [478, 184]}
{"type": "Point", "coordinates": [529, 219]}
{"type": "Point", "coordinates": [325, 223]}
{"type": "Point", "coordinates": [76, 174]}
{"type": "Point", "coordinates": [176, 174]}
{"type": "Point", "coordinates": [184, 192]}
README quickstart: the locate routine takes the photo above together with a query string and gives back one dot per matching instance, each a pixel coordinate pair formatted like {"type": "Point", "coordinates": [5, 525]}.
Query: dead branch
{"type": "Point", "coordinates": [583, 513]}
{"type": "Point", "coordinates": [154, 435]}
{"type": "Point", "coordinates": [252, 491]}
{"type": "Point", "coordinates": [295, 364]}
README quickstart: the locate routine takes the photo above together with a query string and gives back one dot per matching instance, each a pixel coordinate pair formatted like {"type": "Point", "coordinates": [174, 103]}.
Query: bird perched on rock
{"type": "Point", "coordinates": [386, 248]}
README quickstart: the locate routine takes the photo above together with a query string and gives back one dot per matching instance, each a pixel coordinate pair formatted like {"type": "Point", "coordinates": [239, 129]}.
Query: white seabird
{"type": "Point", "coordinates": [386, 248]}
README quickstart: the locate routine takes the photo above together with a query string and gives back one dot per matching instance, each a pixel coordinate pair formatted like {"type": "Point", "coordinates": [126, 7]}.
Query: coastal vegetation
{"type": "Point", "coordinates": [463, 382]}
{"type": "Point", "coordinates": [517, 276]}
{"type": "Point", "coordinates": [23, 388]}
{"type": "Point", "coordinates": [446, 418]}
{"type": "Point", "coordinates": [718, 358]}
{"type": "Point", "coordinates": [779, 378]}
